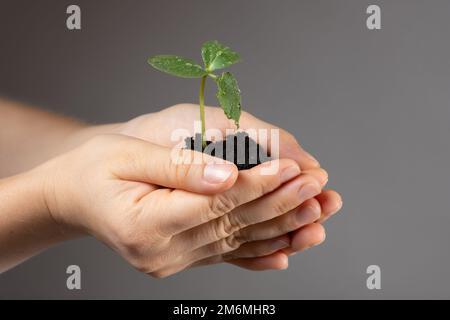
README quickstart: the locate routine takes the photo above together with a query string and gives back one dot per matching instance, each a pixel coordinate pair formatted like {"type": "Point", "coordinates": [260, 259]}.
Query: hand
{"type": "Point", "coordinates": [301, 236]}
{"type": "Point", "coordinates": [68, 134]}
{"type": "Point", "coordinates": [110, 188]}
{"type": "Point", "coordinates": [157, 128]}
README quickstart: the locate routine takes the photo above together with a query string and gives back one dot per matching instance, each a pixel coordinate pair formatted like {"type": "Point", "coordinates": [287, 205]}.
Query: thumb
{"type": "Point", "coordinates": [174, 168]}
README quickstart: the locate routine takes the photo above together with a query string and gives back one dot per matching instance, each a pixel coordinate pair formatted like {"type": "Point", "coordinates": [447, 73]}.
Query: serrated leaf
{"type": "Point", "coordinates": [229, 96]}
{"type": "Point", "coordinates": [177, 66]}
{"type": "Point", "coordinates": [217, 56]}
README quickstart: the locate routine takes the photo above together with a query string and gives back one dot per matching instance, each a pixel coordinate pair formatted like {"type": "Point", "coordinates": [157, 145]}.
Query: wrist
{"type": "Point", "coordinates": [26, 226]}
{"type": "Point", "coordinates": [51, 192]}
{"type": "Point", "coordinates": [39, 184]}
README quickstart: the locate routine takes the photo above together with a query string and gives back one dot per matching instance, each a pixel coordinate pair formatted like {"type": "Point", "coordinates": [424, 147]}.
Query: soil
{"type": "Point", "coordinates": [245, 154]}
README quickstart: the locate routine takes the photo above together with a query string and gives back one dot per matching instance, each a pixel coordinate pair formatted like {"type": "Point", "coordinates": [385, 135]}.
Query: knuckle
{"type": "Point", "coordinates": [221, 204]}
{"type": "Point", "coordinates": [242, 236]}
{"type": "Point", "coordinates": [182, 167]}
{"type": "Point", "coordinates": [236, 222]}
{"type": "Point", "coordinates": [222, 228]}
{"type": "Point", "coordinates": [228, 244]}
{"type": "Point", "coordinates": [226, 226]}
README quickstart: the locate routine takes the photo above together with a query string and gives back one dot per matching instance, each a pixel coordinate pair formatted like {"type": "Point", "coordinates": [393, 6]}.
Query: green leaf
{"type": "Point", "coordinates": [177, 66]}
{"type": "Point", "coordinates": [217, 56]}
{"type": "Point", "coordinates": [229, 96]}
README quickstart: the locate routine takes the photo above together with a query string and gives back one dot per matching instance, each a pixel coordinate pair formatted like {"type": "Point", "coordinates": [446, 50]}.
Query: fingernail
{"type": "Point", "coordinates": [307, 215]}
{"type": "Point", "coordinates": [308, 191]}
{"type": "Point", "coordinates": [289, 173]}
{"type": "Point", "coordinates": [217, 173]}
{"type": "Point", "coordinates": [280, 244]}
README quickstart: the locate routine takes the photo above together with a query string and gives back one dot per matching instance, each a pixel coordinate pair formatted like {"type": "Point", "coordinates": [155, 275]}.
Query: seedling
{"type": "Point", "coordinates": [215, 56]}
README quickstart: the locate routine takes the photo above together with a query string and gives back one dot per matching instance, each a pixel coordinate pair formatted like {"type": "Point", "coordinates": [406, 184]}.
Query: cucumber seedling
{"type": "Point", "coordinates": [239, 148]}
{"type": "Point", "coordinates": [215, 56]}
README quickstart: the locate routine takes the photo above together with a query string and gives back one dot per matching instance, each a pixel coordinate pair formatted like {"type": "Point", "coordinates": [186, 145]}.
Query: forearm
{"type": "Point", "coordinates": [26, 226]}
{"type": "Point", "coordinates": [30, 136]}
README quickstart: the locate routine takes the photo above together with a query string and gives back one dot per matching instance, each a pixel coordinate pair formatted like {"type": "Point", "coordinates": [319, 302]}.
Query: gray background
{"type": "Point", "coordinates": [373, 106]}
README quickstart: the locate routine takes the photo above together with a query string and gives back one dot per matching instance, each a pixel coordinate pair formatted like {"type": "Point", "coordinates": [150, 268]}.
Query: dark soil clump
{"type": "Point", "coordinates": [238, 148]}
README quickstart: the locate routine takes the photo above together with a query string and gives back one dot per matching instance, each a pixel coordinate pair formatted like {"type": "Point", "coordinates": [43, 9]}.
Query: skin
{"type": "Point", "coordinates": [30, 136]}
{"type": "Point", "coordinates": [184, 115]}
{"type": "Point", "coordinates": [256, 223]}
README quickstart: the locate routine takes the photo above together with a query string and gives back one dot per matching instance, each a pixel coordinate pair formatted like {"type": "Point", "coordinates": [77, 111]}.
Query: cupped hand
{"type": "Point", "coordinates": [163, 216]}
{"type": "Point", "coordinates": [158, 127]}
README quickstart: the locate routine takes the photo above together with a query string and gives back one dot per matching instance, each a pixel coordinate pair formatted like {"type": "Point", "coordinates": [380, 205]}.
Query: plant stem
{"type": "Point", "coordinates": [201, 98]}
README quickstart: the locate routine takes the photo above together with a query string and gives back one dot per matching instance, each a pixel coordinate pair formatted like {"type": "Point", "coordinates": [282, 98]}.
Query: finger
{"type": "Point", "coordinates": [288, 145]}
{"type": "Point", "coordinates": [254, 249]}
{"type": "Point", "coordinates": [274, 261]}
{"type": "Point", "coordinates": [280, 201]}
{"type": "Point", "coordinates": [187, 210]}
{"type": "Point", "coordinates": [275, 204]}
{"type": "Point", "coordinates": [330, 202]}
{"type": "Point", "coordinates": [320, 174]}
{"type": "Point", "coordinates": [223, 231]}
{"type": "Point", "coordinates": [258, 248]}
{"type": "Point", "coordinates": [306, 237]}
{"type": "Point", "coordinates": [316, 209]}
{"type": "Point", "coordinates": [306, 213]}
{"type": "Point", "coordinates": [142, 161]}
